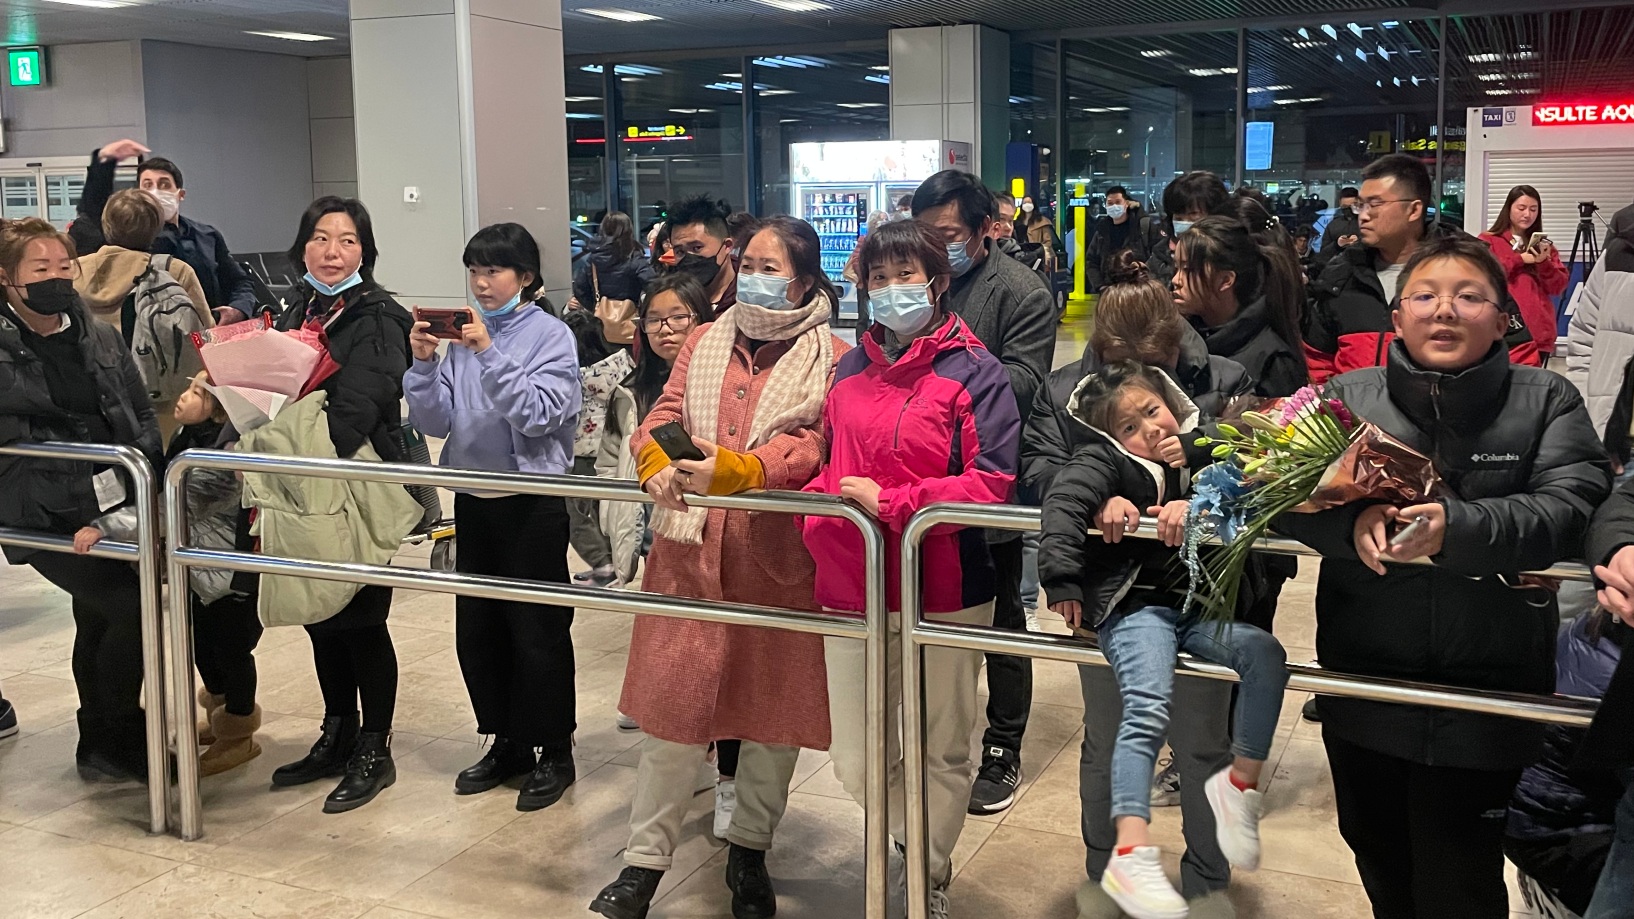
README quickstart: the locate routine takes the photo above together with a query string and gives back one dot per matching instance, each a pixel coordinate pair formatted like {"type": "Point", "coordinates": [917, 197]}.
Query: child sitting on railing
{"type": "Point", "coordinates": [1132, 593]}
{"type": "Point", "coordinates": [226, 628]}
{"type": "Point", "coordinates": [1421, 793]}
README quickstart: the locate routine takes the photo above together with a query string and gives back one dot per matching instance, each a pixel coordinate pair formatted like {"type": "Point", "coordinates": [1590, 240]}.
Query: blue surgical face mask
{"type": "Point", "coordinates": [1115, 211]}
{"type": "Point", "coordinates": [958, 258]}
{"type": "Point", "coordinates": [764, 290]}
{"type": "Point", "coordinates": [354, 280]}
{"type": "Point", "coordinates": [902, 308]}
{"type": "Point", "coordinates": [510, 306]}
{"type": "Point", "coordinates": [1181, 226]}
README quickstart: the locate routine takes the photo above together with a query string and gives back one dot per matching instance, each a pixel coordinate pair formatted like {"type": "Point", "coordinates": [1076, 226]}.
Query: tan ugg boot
{"type": "Point", "coordinates": [235, 741]}
{"type": "Point", "coordinates": [211, 703]}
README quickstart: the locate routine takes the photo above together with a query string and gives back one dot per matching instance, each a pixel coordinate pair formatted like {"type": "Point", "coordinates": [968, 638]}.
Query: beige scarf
{"type": "Point", "coordinates": [792, 398]}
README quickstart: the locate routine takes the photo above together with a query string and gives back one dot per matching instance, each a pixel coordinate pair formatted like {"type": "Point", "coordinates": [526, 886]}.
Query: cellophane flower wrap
{"type": "Point", "coordinates": [1302, 454]}
{"type": "Point", "coordinates": [255, 370]}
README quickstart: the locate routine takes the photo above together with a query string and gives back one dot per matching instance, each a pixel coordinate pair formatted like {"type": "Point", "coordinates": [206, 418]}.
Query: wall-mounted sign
{"type": "Point", "coordinates": [1077, 202]}
{"type": "Point", "coordinates": [656, 132]}
{"type": "Point", "coordinates": [26, 66]}
{"type": "Point", "coordinates": [1583, 113]}
{"type": "Point", "coordinates": [1426, 144]}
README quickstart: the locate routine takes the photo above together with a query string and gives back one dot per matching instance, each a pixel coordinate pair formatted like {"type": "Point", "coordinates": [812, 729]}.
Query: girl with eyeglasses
{"type": "Point", "coordinates": [1421, 793]}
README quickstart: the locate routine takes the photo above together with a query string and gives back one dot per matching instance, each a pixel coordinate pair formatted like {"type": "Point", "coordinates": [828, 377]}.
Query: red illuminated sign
{"type": "Point", "coordinates": [1583, 113]}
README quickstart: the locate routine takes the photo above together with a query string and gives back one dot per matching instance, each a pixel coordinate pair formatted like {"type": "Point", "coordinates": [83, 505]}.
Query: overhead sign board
{"type": "Point", "coordinates": [1553, 115]}
{"type": "Point", "coordinates": [26, 66]}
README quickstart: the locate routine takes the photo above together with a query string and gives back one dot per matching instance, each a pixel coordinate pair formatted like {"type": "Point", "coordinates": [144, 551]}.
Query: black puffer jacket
{"type": "Point", "coordinates": [1515, 446]}
{"type": "Point", "coordinates": [1248, 339]}
{"type": "Point", "coordinates": [618, 280]}
{"type": "Point", "coordinates": [57, 496]}
{"type": "Point", "coordinates": [1610, 741]}
{"type": "Point", "coordinates": [369, 340]}
{"type": "Point", "coordinates": [1051, 435]}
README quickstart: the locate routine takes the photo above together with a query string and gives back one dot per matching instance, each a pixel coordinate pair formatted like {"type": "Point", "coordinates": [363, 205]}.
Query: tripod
{"type": "Point", "coordinates": [1584, 240]}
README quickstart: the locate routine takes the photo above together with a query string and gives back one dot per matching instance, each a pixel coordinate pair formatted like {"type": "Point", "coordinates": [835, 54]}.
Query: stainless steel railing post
{"type": "Point", "coordinates": [872, 630]}
{"type": "Point", "coordinates": [917, 634]}
{"type": "Point", "coordinates": [145, 555]}
{"type": "Point", "coordinates": [178, 624]}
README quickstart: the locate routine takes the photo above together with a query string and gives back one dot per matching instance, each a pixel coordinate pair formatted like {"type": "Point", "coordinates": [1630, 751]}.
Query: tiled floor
{"type": "Point", "coordinates": [68, 849]}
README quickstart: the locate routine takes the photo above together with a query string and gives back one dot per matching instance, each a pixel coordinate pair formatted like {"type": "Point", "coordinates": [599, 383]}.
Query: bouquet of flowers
{"type": "Point", "coordinates": [255, 370]}
{"type": "Point", "coordinates": [1301, 454]}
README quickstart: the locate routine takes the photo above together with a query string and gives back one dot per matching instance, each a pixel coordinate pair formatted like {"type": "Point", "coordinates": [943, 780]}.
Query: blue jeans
{"type": "Point", "coordinates": [1029, 570]}
{"type": "Point", "coordinates": [1141, 645]}
{"type": "Point", "coordinates": [1614, 895]}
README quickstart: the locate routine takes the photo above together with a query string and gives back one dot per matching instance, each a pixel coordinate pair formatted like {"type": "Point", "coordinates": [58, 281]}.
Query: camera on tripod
{"type": "Point", "coordinates": [1586, 209]}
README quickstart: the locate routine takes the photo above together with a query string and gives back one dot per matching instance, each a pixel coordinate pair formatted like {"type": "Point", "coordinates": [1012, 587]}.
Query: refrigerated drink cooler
{"type": "Point", "coordinates": [836, 186]}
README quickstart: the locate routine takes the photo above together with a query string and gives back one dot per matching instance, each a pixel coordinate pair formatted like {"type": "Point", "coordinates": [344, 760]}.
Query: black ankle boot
{"type": "Point", "coordinates": [751, 885]}
{"type": "Point", "coordinates": [629, 896]}
{"type": "Point", "coordinates": [549, 781]}
{"type": "Point", "coordinates": [327, 758]}
{"type": "Point", "coordinates": [506, 759]}
{"type": "Point", "coordinates": [369, 772]}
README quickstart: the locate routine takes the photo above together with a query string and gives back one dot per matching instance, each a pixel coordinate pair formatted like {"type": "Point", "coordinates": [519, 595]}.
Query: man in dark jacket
{"type": "Point", "coordinates": [1610, 741]}
{"type": "Point", "coordinates": [1343, 229]}
{"type": "Point", "coordinates": [1421, 793]}
{"type": "Point", "coordinates": [1123, 226]}
{"type": "Point", "coordinates": [1186, 200]}
{"type": "Point", "coordinates": [1347, 323]}
{"type": "Point", "coordinates": [227, 287]}
{"type": "Point", "coordinates": [1009, 308]}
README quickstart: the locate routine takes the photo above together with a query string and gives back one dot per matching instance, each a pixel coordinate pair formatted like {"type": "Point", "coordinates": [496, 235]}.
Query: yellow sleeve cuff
{"type": "Point", "coordinates": [736, 472]}
{"type": "Point", "coordinates": [650, 461]}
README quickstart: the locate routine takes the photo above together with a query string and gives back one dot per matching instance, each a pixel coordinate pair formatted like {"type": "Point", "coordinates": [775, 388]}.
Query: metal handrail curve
{"type": "Point", "coordinates": [144, 553]}
{"type": "Point", "coordinates": [871, 630]}
{"type": "Point", "coordinates": [919, 634]}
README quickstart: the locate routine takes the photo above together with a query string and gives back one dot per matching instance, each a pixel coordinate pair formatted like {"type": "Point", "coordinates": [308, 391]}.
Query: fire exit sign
{"type": "Point", "coordinates": [26, 66]}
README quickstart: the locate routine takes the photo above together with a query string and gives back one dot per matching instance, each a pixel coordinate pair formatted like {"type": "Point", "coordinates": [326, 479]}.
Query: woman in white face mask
{"type": "Point", "coordinates": [920, 413]}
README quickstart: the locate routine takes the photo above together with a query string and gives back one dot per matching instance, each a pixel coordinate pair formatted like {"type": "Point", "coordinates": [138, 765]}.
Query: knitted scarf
{"type": "Point", "coordinates": [793, 394]}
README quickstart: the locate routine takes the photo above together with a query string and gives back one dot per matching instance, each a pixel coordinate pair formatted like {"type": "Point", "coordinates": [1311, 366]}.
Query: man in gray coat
{"type": "Point", "coordinates": [1010, 309]}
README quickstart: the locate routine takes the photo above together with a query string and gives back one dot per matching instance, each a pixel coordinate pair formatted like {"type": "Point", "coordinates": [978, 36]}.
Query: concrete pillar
{"type": "Point", "coordinates": [460, 104]}
{"type": "Point", "coordinates": [953, 83]}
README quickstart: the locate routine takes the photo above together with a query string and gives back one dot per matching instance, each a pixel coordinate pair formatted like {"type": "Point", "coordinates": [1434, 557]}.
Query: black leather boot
{"type": "Point", "coordinates": [506, 759]}
{"type": "Point", "coordinates": [327, 758]}
{"type": "Point", "coordinates": [629, 896]}
{"type": "Point", "coordinates": [751, 885]}
{"type": "Point", "coordinates": [549, 781]}
{"type": "Point", "coordinates": [369, 772]}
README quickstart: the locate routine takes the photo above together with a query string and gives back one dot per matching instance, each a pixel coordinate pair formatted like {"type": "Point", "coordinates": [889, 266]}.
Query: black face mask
{"type": "Point", "coordinates": [702, 267]}
{"type": "Point", "coordinates": [51, 297]}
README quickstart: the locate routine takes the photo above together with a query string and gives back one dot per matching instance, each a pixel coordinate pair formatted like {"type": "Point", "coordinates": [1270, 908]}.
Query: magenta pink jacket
{"type": "Point", "coordinates": [940, 424]}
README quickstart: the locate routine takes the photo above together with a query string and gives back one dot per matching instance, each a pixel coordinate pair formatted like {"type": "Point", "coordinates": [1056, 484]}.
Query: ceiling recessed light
{"type": "Point", "coordinates": [95, 4]}
{"type": "Point", "coordinates": [1206, 71]}
{"type": "Point", "coordinates": [583, 99]}
{"type": "Point", "coordinates": [1307, 45]}
{"type": "Point", "coordinates": [628, 70]}
{"type": "Point", "coordinates": [621, 15]}
{"type": "Point", "coordinates": [292, 36]}
{"type": "Point", "coordinates": [796, 6]}
{"type": "Point", "coordinates": [883, 78]}
{"type": "Point", "coordinates": [883, 68]}
{"type": "Point", "coordinates": [583, 116]}
{"type": "Point", "coordinates": [1499, 77]}
{"type": "Point", "coordinates": [691, 111]}
{"type": "Point", "coordinates": [860, 104]}
{"type": "Point", "coordinates": [1157, 52]}
{"type": "Point", "coordinates": [779, 92]}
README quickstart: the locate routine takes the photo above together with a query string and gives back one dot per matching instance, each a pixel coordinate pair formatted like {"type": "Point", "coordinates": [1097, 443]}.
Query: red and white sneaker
{"type": "Point", "coordinates": [1136, 882]}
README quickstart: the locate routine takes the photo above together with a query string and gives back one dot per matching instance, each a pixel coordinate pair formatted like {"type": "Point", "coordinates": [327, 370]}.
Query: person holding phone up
{"type": "Point", "coordinates": [1531, 263]}
{"type": "Point", "coordinates": [506, 396]}
{"type": "Point", "coordinates": [749, 388]}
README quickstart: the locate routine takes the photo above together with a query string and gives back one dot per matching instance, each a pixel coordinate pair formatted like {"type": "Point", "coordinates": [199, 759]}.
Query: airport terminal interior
{"type": "Point", "coordinates": [446, 117]}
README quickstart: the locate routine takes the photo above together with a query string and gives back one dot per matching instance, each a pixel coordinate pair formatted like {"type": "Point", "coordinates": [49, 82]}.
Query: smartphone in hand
{"type": "Point", "coordinates": [445, 323]}
{"type": "Point", "coordinates": [676, 442]}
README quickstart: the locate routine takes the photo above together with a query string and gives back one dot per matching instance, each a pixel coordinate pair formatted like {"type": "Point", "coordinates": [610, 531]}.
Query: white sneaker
{"type": "Point", "coordinates": [626, 723]}
{"type": "Point", "coordinates": [1136, 882]}
{"type": "Point", "coordinates": [726, 801]}
{"type": "Point", "coordinates": [938, 902]}
{"type": "Point", "coordinates": [1236, 820]}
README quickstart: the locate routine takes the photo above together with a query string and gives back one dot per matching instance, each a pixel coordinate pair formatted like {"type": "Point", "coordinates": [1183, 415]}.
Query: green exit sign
{"type": "Point", "coordinates": [26, 66]}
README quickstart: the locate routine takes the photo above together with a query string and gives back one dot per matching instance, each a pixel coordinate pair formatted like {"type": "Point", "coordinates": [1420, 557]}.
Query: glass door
{"type": "Point", "coordinates": [49, 188]}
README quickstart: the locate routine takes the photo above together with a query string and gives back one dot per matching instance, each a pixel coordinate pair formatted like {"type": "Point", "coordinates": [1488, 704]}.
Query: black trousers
{"type": "Point", "coordinates": [1009, 679]}
{"type": "Point", "coordinates": [584, 516]}
{"type": "Point", "coordinates": [517, 658]}
{"type": "Point", "coordinates": [225, 634]}
{"type": "Point", "coordinates": [1428, 840]}
{"type": "Point", "coordinates": [107, 660]}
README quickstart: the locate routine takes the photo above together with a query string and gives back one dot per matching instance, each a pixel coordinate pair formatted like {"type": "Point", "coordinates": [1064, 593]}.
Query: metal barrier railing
{"type": "Point", "coordinates": [918, 634]}
{"type": "Point", "coordinates": [145, 555]}
{"type": "Point", "coordinates": [872, 630]}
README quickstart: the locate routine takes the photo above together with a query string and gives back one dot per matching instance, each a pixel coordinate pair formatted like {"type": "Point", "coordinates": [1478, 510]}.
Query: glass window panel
{"type": "Point", "coordinates": [682, 133]}
{"type": "Point", "coordinates": [1337, 97]}
{"type": "Point", "coordinates": [19, 196]}
{"type": "Point", "coordinates": [835, 97]}
{"type": "Point", "coordinates": [586, 151]}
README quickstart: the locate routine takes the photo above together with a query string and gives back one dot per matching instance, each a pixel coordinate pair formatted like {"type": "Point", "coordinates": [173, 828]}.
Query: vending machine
{"type": "Point", "coordinates": [836, 186]}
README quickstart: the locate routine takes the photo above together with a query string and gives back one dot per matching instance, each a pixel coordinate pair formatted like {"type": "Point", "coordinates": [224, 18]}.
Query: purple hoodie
{"type": "Point", "coordinates": [515, 406]}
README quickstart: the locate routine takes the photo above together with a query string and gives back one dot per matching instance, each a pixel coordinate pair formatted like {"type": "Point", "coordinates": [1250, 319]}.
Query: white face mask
{"type": "Point", "coordinates": [1115, 211]}
{"type": "Point", "coordinates": [1027, 207]}
{"type": "Point", "coordinates": [169, 202]}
